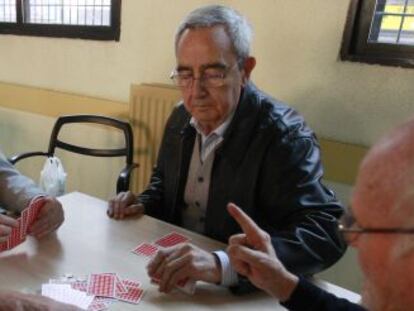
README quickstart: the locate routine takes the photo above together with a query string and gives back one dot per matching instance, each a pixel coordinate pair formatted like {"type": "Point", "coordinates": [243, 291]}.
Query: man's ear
{"type": "Point", "coordinates": [248, 66]}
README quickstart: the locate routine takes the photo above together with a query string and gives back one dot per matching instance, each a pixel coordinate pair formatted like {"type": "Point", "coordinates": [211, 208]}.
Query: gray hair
{"type": "Point", "coordinates": [236, 26]}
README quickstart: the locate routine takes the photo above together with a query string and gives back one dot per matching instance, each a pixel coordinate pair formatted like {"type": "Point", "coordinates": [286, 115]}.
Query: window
{"type": "Point", "coordinates": [380, 32]}
{"type": "Point", "coordinates": [87, 19]}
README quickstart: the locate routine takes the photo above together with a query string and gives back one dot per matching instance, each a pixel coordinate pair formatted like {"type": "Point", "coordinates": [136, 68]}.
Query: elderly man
{"type": "Point", "coordinates": [16, 191]}
{"type": "Point", "coordinates": [380, 224]}
{"type": "Point", "coordinates": [228, 141]}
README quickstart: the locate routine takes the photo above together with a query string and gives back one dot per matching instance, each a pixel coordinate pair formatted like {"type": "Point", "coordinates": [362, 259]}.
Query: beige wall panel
{"type": "Point", "coordinates": [296, 44]}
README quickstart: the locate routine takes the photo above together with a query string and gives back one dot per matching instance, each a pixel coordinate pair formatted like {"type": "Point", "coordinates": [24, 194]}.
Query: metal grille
{"type": "Point", "coordinates": [68, 12]}
{"type": "Point", "coordinates": [8, 11]}
{"type": "Point", "coordinates": [393, 22]}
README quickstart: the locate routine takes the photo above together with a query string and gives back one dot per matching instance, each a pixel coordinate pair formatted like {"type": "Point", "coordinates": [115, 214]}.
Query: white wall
{"type": "Point", "coordinates": [296, 44]}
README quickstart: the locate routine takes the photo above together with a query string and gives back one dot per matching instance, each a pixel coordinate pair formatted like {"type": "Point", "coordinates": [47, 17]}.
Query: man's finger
{"type": "Point", "coordinates": [172, 267]}
{"type": "Point", "coordinates": [155, 262]}
{"type": "Point", "coordinates": [134, 209]}
{"type": "Point", "coordinates": [8, 221]}
{"type": "Point", "coordinates": [238, 239]}
{"type": "Point", "coordinates": [246, 255]}
{"type": "Point", "coordinates": [246, 223]}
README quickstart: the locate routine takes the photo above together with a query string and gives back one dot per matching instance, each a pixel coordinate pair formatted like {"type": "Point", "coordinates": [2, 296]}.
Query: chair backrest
{"type": "Point", "coordinates": [127, 151]}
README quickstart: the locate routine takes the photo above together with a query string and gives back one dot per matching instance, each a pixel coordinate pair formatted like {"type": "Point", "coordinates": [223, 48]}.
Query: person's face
{"type": "Point", "coordinates": [203, 52]}
{"type": "Point", "coordinates": [374, 250]}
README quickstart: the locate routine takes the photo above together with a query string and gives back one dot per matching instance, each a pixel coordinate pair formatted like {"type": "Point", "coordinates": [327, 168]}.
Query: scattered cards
{"type": "Point", "coordinates": [101, 289]}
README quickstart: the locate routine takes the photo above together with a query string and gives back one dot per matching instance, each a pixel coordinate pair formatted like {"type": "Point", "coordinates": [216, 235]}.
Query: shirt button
{"type": "Point", "coordinates": [200, 179]}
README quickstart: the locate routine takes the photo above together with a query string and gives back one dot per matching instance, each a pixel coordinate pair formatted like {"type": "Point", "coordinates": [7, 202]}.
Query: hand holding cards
{"type": "Point", "coordinates": [149, 250]}
{"type": "Point", "coordinates": [27, 218]}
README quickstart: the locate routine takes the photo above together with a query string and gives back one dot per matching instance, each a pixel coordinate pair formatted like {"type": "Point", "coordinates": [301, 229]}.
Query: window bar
{"type": "Point", "coordinates": [402, 20]}
{"type": "Point", "coordinates": [93, 13]}
{"type": "Point", "coordinates": [60, 10]}
{"type": "Point", "coordinates": [102, 13]}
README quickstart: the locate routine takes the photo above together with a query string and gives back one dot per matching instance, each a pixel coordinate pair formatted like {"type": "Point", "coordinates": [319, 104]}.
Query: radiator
{"type": "Point", "coordinates": [150, 106]}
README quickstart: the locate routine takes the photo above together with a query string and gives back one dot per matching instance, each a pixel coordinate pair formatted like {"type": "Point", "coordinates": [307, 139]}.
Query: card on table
{"type": "Point", "coordinates": [133, 295]}
{"type": "Point", "coordinates": [131, 283]}
{"type": "Point", "coordinates": [103, 284]}
{"type": "Point", "coordinates": [171, 239]}
{"type": "Point", "coordinates": [145, 250]}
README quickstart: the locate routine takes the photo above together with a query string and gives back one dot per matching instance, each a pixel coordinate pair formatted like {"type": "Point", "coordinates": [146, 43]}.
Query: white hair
{"type": "Point", "coordinates": [236, 26]}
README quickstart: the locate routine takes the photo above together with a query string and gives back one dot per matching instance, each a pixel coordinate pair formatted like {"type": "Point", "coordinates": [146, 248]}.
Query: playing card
{"type": "Point", "coordinates": [15, 238]}
{"type": "Point", "coordinates": [80, 285]}
{"type": "Point", "coordinates": [120, 287]}
{"type": "Point", "coordinates": [28, 216]}
{"type": "Point", "coordinates": [97, 305]}
{"type": "Point", "coordinates": [34, 209]}
{"type": "Point", "coordinates": [171, 239]}
{"type": "Point", "coordinates": [145, 250]}
{"type": "Point", "coordinates": [102, 285]}
{"type": "Point", "coordinates": [133, 295]}
{"type": "Point", "coordinates": [65, 293]}
{"type": "Point", "coordinates": [131, 283]}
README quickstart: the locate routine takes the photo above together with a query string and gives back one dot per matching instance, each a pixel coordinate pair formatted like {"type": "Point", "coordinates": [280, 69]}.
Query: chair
{"type": "Point", "coordinates": [127, 151]}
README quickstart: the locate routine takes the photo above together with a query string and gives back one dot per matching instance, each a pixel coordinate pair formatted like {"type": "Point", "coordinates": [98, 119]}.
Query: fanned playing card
{"type": "Point", "coordinates": [28, 216]}
{"type": "Point", "coordinates": [15, 237]}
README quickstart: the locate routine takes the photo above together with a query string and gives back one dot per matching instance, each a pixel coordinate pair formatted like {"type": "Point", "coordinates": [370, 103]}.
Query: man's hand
{"type": "Point", "coordinates": [124, 204]}
{"type": "Point", "coordinates": [49, 219]}
{"type": "Point", "coordinates": [26, 302]}
{"type": "Point", "coordinates": [252, 255]}
{"type": "Point", "coordinates": [6, 225]}
{"type": "Point", "coordinates": [183, 261]}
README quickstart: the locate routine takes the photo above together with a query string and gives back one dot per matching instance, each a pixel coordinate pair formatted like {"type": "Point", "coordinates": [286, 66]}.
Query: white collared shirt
{"type": "Point", "coordinates": [208, 144]}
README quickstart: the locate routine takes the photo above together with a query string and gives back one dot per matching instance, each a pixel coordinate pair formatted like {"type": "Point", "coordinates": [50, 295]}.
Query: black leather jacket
{"type": "Point", "coordinates": [268, 164]}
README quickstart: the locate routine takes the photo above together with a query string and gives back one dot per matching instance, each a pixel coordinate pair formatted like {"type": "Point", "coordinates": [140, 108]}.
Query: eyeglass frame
{"type": "Point", "coordinates": [347, 228]}
{"type": "Point", "coordinates": [174, 74]}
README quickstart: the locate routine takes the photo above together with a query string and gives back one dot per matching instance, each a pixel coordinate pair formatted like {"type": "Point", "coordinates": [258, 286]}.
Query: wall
{"type": "Point", "coordinates": [296, 44]}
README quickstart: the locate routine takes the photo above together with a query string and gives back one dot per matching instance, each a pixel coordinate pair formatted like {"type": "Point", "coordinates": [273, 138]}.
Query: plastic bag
{"type": "Point", "coordinates": [53, 177]}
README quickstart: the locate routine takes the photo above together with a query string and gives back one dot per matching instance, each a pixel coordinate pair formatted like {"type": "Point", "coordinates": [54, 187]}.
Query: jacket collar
{"type": "Point", "coordinates": [242, 126]}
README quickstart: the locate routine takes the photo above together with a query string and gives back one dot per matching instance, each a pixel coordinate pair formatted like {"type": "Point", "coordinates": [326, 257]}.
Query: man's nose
{"type": "Point", "coordinates": [198, 88]}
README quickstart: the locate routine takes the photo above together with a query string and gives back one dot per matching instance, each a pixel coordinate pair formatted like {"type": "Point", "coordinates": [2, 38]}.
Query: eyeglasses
{"type": "Point", "coordinates": [350, 229]}
{"type": "Point", "coordinates": [211, 78]}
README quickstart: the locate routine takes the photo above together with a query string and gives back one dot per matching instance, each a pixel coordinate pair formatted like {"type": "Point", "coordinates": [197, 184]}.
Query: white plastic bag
{"type": "Point", "coordinates": [53, 177]}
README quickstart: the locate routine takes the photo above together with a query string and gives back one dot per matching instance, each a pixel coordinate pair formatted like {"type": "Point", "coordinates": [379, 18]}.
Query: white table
{"type": "Point", "coordinates": [90, 242]}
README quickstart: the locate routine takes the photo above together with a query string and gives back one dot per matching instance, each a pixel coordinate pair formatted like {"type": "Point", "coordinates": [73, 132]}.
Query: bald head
{"type": "Point", "coordinates": [386, 178]}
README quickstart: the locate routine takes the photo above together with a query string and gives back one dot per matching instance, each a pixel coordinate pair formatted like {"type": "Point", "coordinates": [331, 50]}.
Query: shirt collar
{"type": "Point", "coordinates": [219, 131]}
